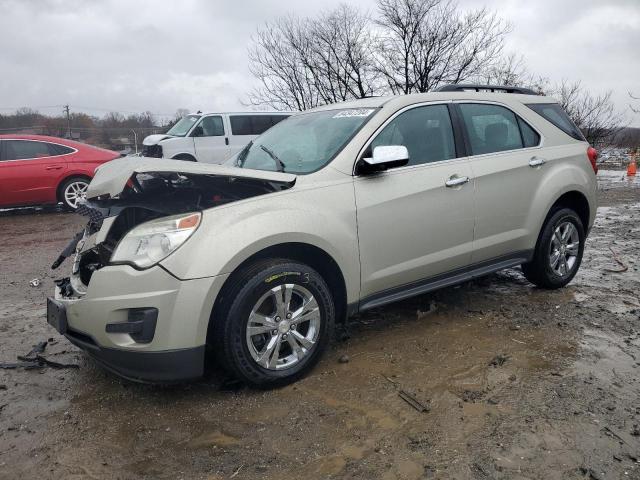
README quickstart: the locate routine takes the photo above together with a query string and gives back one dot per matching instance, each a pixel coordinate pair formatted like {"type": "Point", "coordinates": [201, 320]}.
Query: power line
{"type": "Point", "coordinates": [31, 108]}
{"type": "Point", "coordinates": [81, 107]}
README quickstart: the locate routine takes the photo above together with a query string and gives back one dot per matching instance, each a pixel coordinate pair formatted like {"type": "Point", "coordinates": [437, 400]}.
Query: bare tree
{"type": "Point", "coordinates": [426, 43]}
{"type": "Point", "coordinates": [512, 70]}
{"type": "Point", "coordinates": [634, 109]}
{"type": "Point", "coordinates": [595, 115]}
{"type": "Point", "coordinates": [303, 63]}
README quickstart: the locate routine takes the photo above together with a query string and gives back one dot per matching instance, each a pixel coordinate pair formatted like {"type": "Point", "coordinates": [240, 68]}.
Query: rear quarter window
{"type": "Point", "coordinates": [57, 149]}
{"type": "Point", "coordinates": [555, 114]}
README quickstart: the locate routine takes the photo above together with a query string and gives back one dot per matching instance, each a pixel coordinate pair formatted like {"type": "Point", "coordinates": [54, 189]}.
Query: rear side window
{"type": "Point", "coordinates": [27, 149]}
{"type": "Point", "coordinates": [490, 128]}
{"type": "Point", "coordinates": [253, 124]}
{"type": "Point", "coordinates": [530, 137]}
{"type": "Point", "coordinates": [425, 131]}
{"type": "Point", "coordinates": [555, 114]}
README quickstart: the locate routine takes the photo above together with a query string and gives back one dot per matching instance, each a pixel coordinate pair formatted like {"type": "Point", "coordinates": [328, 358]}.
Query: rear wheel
{"type": "Point", "coordinates": [73, 190]}
{"type": "Point", "coordinates": [558, 252]}
{"type": "Point", "coordinates": [275, 320]}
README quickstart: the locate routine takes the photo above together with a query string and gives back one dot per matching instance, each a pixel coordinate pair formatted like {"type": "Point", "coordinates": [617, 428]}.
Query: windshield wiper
{"type": "Point", "coordinates": [242, 156]}
{"type": "Point", "coordinates": [279, 163]}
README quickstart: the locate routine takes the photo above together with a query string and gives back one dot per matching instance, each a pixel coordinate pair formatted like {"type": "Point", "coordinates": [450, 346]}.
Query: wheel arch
{"type": "Point", "coordinates": [311, 255]}
{"type": "Point", "coordinates": [184, 156]}
{"type": "Point", "coordinates": [575, 200]}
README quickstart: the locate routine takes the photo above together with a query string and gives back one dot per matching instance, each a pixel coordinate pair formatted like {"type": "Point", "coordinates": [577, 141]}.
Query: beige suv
{"type": "Point", "coordinates": [331, 212]}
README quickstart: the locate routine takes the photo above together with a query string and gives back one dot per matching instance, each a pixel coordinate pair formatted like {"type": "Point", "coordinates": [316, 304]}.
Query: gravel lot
{"type": "Point", "coordinates": [520, 383]}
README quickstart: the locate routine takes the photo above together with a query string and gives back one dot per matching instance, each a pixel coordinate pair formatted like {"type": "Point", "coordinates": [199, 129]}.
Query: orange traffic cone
{"type": "Point", "coordinates": [631, 168]}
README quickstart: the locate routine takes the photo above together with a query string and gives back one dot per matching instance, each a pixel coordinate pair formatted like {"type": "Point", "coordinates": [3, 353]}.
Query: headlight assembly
{"type": "Point", "coordinates": [153, 241]}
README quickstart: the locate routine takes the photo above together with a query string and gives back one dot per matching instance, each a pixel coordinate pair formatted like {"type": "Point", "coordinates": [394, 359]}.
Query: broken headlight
{"type": "Point", "coordinates": [153, 241]}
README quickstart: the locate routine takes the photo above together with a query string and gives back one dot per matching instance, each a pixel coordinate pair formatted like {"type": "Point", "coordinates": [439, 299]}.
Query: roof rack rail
{"type": "Point", "coordinates": [461, 87]}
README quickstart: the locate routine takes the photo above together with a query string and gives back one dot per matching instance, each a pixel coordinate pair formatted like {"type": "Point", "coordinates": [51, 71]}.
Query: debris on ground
{"type": "Point", "coordinates": [36, 282]}
{"type": "Point", "coordinates": [498, 360]}
{"type": "Point", "coordinates": [432, 307]}
{"type": "Point", "coordinates": [470, 396]}
{"type": "Point", "coordinates": [413, 401]}
{"type": "Point", "coordinates": [616, 258]}
{"type": "Point", "coordinates": [34, 360]}
{"type": "Point", "coordinates": [344, 359]}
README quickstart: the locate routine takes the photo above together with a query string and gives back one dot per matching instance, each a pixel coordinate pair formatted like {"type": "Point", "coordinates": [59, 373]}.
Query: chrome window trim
{"type": "Point", "coordinates": [75, 150]}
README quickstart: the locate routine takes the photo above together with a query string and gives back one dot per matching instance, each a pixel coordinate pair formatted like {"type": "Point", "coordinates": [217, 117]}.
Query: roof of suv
{"type": "Point", "coordinates": [403, 100]}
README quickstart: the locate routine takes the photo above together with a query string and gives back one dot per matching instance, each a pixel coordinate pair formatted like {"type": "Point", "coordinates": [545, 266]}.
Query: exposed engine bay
{"type": "Point", "coordinates": [147, 196]}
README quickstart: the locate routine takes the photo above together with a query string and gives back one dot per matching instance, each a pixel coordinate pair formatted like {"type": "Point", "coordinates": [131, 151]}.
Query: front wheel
{"type": "Point", "coordinates": [558, 252]}
{"type": "Point", "coordinates": [275, 320]}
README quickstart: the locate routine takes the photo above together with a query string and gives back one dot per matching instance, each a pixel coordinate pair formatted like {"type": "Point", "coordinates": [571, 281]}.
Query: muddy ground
{"type": "Point", "coordinates": [519, 382]}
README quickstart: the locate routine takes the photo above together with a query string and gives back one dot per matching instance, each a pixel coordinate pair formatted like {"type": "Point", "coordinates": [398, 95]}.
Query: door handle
{"type": "Point", "coordinates": [53, 167]}
{"type": "Point", "coordinates": [537, 162]}
{"type": "Point", "coordinates": [456, 181]}
{"type": "Point", "coordinates": [226, 140]}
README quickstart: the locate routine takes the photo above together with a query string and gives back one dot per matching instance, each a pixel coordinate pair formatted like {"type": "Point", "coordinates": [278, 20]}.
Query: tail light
{"type": "Point", "coordinates": [592, 153]}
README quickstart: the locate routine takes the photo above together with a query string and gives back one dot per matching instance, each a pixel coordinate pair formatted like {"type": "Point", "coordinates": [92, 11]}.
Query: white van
{"type": "Point", "coordinates": [210, 137]}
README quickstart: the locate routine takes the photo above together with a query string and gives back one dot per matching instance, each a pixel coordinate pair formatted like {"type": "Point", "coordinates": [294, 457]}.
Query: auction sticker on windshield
{"type": "Point", "coordinates": [355, 112]}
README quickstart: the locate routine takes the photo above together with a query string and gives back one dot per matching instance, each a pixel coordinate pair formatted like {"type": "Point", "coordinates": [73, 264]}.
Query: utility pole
{"type": "Point", "coordinates": [66, 110]}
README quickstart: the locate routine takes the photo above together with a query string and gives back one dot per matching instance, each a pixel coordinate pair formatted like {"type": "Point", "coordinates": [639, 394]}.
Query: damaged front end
{"type": "Point", "coordinates": [121, 199]}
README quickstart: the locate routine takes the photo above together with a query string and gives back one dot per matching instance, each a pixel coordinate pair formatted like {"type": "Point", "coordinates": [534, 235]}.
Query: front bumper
{"type": "Point", "coordinates": [175, 349]}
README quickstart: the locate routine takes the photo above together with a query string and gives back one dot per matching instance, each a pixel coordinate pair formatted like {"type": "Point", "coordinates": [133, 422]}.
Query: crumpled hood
{"type": "Point", "coordinates": [155, 139]}
{"type": "Point", "coordinates": [112, 177]}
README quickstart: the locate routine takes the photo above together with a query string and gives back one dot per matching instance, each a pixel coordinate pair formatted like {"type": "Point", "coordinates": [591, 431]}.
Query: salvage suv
{"type": "Point", "coordinates": [331, 212]}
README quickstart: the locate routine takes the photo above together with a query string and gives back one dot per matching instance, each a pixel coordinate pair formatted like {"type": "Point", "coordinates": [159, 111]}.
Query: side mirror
{"type": "Point", "coordinates": [384, 157]}
{"type": "Point", "coordinates": [198, 132]}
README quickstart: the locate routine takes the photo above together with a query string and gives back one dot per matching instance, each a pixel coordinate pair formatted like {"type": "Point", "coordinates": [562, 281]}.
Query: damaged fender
{"type": "Point", "coordinates": [129, 191]}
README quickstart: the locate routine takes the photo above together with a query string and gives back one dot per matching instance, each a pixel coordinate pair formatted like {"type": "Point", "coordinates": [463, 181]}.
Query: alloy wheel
{"type": "Point", "coordinates": [283, 327]}
{"type": "Point", "coordinates": [564, 248]}
{"type": "Point", "coordinates": [74, 192]}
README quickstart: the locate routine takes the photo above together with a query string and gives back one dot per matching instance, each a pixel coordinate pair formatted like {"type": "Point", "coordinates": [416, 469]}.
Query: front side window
{"type": "Point", "coordinates": [490, 128]}
{"type": "Point", "coordinates": [211, 127]}
{"type": "Point", "coordinates": [425, 131]}
{"type": "Point", "coordinates": [181, 128]}
{"type": "Point", "coordinates": [26, 149]}
{"type": "Point", "coordinates": [305, 142]}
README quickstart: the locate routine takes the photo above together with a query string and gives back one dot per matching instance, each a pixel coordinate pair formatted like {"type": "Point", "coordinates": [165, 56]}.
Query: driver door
{"type": "Point", "coordinates": [209, 140]}
{"type": "Point", "coordinates": [415, 222]}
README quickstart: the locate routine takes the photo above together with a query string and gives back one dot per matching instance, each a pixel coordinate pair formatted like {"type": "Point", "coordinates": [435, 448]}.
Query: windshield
{"type": "Point", "coordinates": [181, 128]}
{"type": "Point", "coordinates": [303, 143]}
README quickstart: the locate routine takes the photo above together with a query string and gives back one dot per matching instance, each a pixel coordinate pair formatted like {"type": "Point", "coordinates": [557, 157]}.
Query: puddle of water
{"type": "Point", "coordinates": [608, 179]}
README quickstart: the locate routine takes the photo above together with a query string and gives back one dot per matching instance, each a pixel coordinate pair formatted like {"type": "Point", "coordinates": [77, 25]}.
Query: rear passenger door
{"type": "Point", "coordinates": [412, 226]}
{"type": "Point", "coordinates": [209, 140]}
{"type": "Point", "coordinates": [503, 153]}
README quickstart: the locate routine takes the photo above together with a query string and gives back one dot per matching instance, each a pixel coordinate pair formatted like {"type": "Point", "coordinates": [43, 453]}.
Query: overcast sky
{"type": "Point", "coordinates": [137, 55]}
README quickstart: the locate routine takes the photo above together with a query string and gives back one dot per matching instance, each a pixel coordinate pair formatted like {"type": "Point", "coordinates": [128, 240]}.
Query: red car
{"type": "Point", "coordinates": [35, 170]}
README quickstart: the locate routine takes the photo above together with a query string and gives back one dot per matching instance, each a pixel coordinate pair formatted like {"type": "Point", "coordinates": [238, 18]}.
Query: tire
{"type": "Point", "coordinates": [71, 190]}
{"type": "Point", "coordinates": [253, 293]}
{"type": "Point", "coordinates": [542, 271]}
